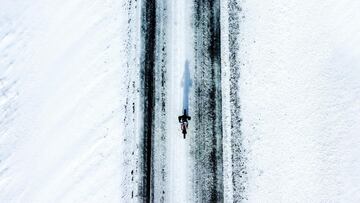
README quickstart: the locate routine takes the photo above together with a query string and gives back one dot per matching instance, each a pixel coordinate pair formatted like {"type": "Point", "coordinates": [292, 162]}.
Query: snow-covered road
{"type": "Point", "coordinates": [180, 53]}
{"type": "Point", "coordinates": [91, 91]}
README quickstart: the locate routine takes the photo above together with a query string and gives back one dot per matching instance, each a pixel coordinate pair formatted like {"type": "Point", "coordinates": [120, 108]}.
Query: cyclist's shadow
{"type": "Point", "coordinates": [186, 83]}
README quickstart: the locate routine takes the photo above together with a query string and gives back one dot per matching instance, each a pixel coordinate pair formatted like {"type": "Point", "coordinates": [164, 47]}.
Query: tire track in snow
{"type": "Point", "coordinates": [238, 157]}
{"type": "Point", "coordinates": [235, 174]}
{"type": "Point", "coordinates": [148, 45]}
{"type": "Point", "coordinates": [207, 141]}
{"type": "Point", "coordinates": [131, 183]}
{"type": "Point", "coordinates": [153, 79]}
{"type": "Point", "coordinates": [159, 168]}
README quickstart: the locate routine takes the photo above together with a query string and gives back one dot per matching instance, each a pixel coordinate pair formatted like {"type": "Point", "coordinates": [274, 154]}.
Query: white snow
{"type": "Point", "coordinates": [61, 101]}
{"type": "Point", "coordinates": [180, 51]}
{"type": "Point", "coordinates": [63, 90]}
{"type": "Point", "coordinates": [301, 100]}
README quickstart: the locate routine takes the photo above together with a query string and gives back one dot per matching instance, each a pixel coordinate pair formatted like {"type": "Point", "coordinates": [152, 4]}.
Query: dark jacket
{"type": "Point", "coordinates": [184, 118]}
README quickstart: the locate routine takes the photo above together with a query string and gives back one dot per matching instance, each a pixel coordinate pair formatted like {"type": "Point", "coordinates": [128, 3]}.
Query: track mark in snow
{"type": "Point", "coordinates": [238, 156]}
{"type": "Point", "coordinates": [207, 141]}
{"type": "Point", "coordinates": [131, 151]}
{"type": "Point", "coordinates": [148, 49]}
{"type": "Point", "coordinates": [159, 110]}
{"type": "Point", "coordinates": [235, 174]}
